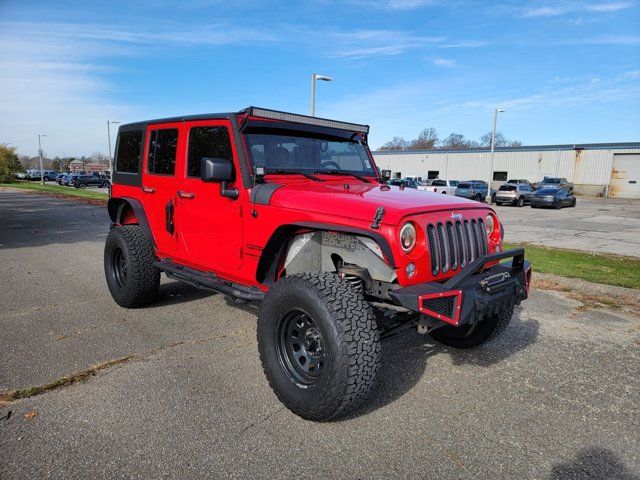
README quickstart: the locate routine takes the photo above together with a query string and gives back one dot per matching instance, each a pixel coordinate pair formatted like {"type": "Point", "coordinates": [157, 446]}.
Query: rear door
{"type": "Point", "coordinates": [210, 224]}
{"type": "Point", "coordinates": [160, 185]}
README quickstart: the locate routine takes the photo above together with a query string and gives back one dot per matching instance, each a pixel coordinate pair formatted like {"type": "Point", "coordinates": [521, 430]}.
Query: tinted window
{"type": "Point", "coordinates": [439, 183]}
{"type": "Point", "coordinates": [163, 145]}
{"type": "Point", "coordinates": [207, 142]}
{"type": "Point", "coordinates": [546, 191]}
{"type": "Point", "coordinates": [454, 183]}
{"type": "Point", "coordinates": [500, 176]}
{"type": "Point", "coordinates": [128, 151]}
{"type": "Point", "coordinates": [464, 185]}
{"type": "Point", "coordinates": [507, 188]}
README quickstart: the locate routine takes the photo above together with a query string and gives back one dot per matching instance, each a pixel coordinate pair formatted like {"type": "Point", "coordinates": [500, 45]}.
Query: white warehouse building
{"type": "Point", "coordinates": [595, 169]}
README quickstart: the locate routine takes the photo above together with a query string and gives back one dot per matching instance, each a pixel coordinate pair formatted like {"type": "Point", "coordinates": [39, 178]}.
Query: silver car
{"type": "Point", "coordinates": [510, 194]}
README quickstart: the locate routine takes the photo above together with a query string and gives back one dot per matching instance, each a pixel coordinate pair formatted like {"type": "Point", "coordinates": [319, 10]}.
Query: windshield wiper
{"type": "Point", "coordinates": [283, 171]}
{"type": "Point", "coordinates": [342, 172]}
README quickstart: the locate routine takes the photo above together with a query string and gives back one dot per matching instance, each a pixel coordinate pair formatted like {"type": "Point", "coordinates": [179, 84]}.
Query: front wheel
{"type": "Point", "coordinates": [473, 335]}
{"type": "Point", "coordinates": [129, 259]}
{"type": "Point", "coordinates": [319, 345]}
{"type": "Point", "coordinates": [478, 198]}
{"type": "Point", "coordinates": [520, 202]}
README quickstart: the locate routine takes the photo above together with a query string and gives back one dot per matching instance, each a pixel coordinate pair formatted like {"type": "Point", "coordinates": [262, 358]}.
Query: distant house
{"type": "Point", "coordinates": [80, 166]}
{"type": "Point", "coordinates": [76, 166]}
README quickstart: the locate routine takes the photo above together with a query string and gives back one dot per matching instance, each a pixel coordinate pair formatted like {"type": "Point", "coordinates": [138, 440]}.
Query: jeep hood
{"type": "Point", "coordinates": [360, 200]}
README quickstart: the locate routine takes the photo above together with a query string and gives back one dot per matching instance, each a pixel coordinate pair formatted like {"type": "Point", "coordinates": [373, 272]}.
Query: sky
{"type": "Point", "coordinates": [564, 71]}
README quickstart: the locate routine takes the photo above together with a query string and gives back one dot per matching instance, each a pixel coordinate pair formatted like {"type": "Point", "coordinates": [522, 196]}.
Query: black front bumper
{"type": "Point", "coordinates": [474, 293]}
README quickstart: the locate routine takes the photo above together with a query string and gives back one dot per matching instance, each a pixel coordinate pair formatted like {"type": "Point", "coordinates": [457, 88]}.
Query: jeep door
{"type": "Point", "coordinates": [210, 224]}
{"type": "Point", "coordinates": [160, 184]}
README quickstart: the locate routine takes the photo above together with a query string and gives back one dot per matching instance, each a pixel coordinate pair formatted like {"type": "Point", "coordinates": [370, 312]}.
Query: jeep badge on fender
{"type": "Point", "coordinates": [292, 212]}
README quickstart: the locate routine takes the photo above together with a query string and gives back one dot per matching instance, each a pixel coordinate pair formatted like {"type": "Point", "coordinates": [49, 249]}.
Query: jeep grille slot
{"type": "Point", "coordinates": [453, 246]}
{"type": "Point", "coordinates": [433, 251]}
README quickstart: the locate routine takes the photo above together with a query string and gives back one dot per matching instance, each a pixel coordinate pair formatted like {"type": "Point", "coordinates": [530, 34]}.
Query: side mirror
{"type": "Point", "coordinates": [216, 170]}
{"type": "Point", "coordinates": [219, 170]}
{"type": "Point", "coordinates": [385, 174]}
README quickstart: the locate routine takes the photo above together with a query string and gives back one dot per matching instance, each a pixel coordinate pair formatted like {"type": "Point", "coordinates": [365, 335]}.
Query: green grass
{"type": "Point", "coordinates": [596, 268]}
{"type": "Point", "coordinates": [93, 193]}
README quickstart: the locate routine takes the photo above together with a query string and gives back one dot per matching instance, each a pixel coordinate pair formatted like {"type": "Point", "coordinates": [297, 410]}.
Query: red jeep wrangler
{"type": "Point", "coordinates": [292, 211]}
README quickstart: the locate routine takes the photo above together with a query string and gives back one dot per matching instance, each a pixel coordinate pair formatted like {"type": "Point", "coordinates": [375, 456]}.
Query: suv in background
{"type": "Point", "coordinates": [513, 194]}
{"type": "Point", "coordinates": [556, 182]}
{"type": "Point", "coordinates": [521, 182]}
{"type": "Point", "coordinates": [474, 189]}
{"type": "Point", "coordinates": [291, 211]}
{"type": "Point", "coordinates": [84, 181]}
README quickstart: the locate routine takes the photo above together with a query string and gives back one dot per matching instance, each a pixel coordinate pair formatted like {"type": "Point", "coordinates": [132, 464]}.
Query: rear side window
{"type": "Point", "coordinates": [128, 151]}
{"type": "Point", "coordinates": [207, 142]}
{"type": "Point", "coordinates": [163, 145]}
{"type": "Point", "coordinates": [506, 188]}
{"type": "Point", "coordinates": [439, 183]}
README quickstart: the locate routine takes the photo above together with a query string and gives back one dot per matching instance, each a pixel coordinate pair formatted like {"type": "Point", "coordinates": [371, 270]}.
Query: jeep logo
{"type": "Point", "coordinates": [456, 216]}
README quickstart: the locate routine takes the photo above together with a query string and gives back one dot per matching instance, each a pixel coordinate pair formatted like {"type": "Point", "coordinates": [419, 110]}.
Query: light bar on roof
{"type": "Point", "coordinates": [296, 118]}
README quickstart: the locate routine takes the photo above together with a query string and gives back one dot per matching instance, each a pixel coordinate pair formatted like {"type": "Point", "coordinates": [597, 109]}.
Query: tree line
{"type": "Point", "coordinates": [428, 140]}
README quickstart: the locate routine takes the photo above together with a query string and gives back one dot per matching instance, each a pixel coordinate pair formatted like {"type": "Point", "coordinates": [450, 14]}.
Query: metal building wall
{"type": "Point", "coordinates": [588, 167]}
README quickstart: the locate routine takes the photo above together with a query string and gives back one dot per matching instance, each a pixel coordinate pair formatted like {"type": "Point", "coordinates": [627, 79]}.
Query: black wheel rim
{"type": "Point", "coordinates": [300, 347]}
{"type": "Point", "coordinates": [119, 267]}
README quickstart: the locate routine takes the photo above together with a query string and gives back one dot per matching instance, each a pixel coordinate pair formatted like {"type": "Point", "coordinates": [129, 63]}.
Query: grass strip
{"type": "Point", "coordinates": [60, 191]}
{"type": "Point", "coordinates": [601, 268]}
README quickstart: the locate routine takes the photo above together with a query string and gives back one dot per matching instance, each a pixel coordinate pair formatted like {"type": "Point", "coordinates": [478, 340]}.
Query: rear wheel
{"type": "Point", "coordinates": [319, 345]}
{"type": "Point", "coordinates": [499, 204]}
{"type": "Point", "coordinates": [129, 258]}
{"type": "Point", "coordinates": [520, 202]}
{"type": "Point", "coordinates": [478, 198]}
{"type": "Point", "coordinates": [573, 203]}
{"type": "Point", "coordinates": [558, 205]}
{"type": "Point", "coordinates": [474, 335]}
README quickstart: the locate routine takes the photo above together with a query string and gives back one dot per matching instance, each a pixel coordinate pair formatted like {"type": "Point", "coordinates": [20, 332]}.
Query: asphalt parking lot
{"type": "Point", "coordinates": [601, 225]}
{"type": "Point", "coordinates": [556, 396]}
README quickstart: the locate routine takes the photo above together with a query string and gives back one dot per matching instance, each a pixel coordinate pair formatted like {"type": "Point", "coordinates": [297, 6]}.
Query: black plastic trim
{"type": "Point", "coordinates": [262, 192]}
{"type": "Point", "coordinates": [245, 165]}
{"type": "Point", "coordinates": [115, 207]}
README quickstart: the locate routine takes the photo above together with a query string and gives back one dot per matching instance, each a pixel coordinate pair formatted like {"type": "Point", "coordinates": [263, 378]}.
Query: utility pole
{"type": "Point", "coordinates": [41, 161]}
{"type": "Point", "coordinates": [109, 138]}
{"type": "Point", "coordinates": [493, 141]}
{"type": "Point", "coordinates": [315, 77]}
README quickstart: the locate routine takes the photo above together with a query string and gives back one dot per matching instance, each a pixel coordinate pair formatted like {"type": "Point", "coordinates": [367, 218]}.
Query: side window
{"type": "Point", "coordinates": [128, 151]}
{"type": "Point", "coordinates": [163, 145]}
{"type": "Point", "coordinates": [432, 174]}
{"type": "Point", "coordinates": [207, 142]}
{"type": "Point", "coordinates": [499, 176]}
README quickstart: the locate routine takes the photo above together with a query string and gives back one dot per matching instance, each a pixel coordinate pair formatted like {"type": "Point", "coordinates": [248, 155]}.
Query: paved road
{"type": "Point", "coordinates": [601, 225]}
{"type": "Point", "coordinates": [557, 396]}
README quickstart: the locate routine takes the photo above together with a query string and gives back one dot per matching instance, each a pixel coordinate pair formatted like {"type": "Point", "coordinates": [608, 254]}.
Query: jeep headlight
{"type": "Point", "coordinates": [408, 237]}
{"type": "Point", "coordinates": [489, 224]}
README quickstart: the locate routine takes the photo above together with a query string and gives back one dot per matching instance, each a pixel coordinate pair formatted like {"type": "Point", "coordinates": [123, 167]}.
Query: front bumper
{"type": "Point", "coordinates": [474, 293]}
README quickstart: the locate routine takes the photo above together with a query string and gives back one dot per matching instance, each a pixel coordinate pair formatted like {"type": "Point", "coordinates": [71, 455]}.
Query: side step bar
{"type": "Point", "coordinates": [208, 281]}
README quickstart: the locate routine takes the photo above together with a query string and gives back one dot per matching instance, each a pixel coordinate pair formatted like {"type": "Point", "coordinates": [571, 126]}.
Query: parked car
{"type": "Point", "coordinates": [552, 197]}
{"type": "Point", "coordinates": [520, 181]}
{"type": "Point", "coordinates": [59, 178]}
{"type": "Point", "coordinates": [555, 182]}
{"type": "Point", "coordinates": [67, 180]}
{"type": "Point", "coordinates": [84, 181]}
{"type": "Point", "coordinates": [405, 182]}
{"type": "Point", "coordinates": [513, 194]}
{"type": "Point", "coordinates": [320, 244]}
{"type": "Point", "coordinates": [474, 189]}
{"type": "Point", "coordinates": [446, 187]}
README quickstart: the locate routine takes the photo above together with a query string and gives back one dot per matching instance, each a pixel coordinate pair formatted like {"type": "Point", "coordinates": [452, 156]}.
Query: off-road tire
{"type": "Point", "coordinates": [141, 281]}
{"type": "Point", "coordinates": [520, 202]}
{"type": "Point", "coordinates": [473, 335]}
{"type": "Point", "coordinates": [350, 340]}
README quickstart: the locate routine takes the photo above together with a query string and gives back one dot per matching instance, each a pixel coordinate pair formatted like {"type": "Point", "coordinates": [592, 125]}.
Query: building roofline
{"type": "Point", "coordinates": [527, 148]}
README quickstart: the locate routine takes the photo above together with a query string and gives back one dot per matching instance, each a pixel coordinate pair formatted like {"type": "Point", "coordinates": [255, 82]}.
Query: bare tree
{"type": "Point", "coordinates": [396, 143]}
{"type": "Point", "coordinates": [501, 141]}
{"type": "Point", "coordinates": [427, 140]}
{"type": "Point", "coordinates": [457, 140]}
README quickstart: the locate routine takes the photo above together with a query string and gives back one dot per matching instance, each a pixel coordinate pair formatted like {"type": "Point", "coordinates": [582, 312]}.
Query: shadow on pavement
{"type": "Point", "coordinates": [405, 359]}
{"type": "Point", "coordinates": [592, 463]}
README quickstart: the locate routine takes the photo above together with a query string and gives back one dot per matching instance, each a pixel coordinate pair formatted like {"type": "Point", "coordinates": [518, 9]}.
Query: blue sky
{"type": "Point", "coordinates": [565, 71]}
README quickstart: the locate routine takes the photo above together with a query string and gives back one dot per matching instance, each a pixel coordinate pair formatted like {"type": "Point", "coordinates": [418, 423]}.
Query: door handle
{"type": "Point", "coordinates": [187, 195]}
{"type": "Point", "coordinates": [148, 189]}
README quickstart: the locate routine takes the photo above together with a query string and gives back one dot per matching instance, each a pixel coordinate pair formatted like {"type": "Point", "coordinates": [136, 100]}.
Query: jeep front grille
{"type": "Point", "coordinates": [455, 245]}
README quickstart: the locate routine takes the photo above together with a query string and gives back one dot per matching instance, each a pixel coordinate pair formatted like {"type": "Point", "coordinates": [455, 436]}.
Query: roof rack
{"type": "Point", "coordinates": [305, 119]}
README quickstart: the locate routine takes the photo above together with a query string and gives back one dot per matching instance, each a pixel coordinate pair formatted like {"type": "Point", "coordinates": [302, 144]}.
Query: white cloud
{"type": "Point", "coordinates": [565, 8]}
{"type": "Point", "coordinates": [445, 62]}
{"type": "Point", "coordinates": [465, 44]}
{"type": "Point", "coordinates": [371, 43]}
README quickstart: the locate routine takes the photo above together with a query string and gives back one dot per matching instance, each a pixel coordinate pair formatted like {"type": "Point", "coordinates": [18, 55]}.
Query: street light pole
{"type": "Point", "coordinates": [493, 141]}
{"type": "Point", "coordinates": [40, 155]}
{"type": "Point", "coordinates": [109, 138]}
{"type": "Point", "coordinates": [315, 77]}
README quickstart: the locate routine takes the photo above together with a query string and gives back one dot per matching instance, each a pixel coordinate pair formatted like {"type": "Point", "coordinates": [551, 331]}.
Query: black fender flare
{"type": "Point", "coordinates": [267, 264]}
{"type": "Point", "coordinates": [116, 207]}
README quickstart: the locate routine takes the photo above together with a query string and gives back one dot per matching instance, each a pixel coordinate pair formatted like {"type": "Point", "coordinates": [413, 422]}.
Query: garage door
{"type": "Point", "coordinates": [625, 179]}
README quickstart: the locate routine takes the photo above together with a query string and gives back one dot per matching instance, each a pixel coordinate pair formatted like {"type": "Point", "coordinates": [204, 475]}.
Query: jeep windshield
{"type": "Point", "coordinates": [307, 152]}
